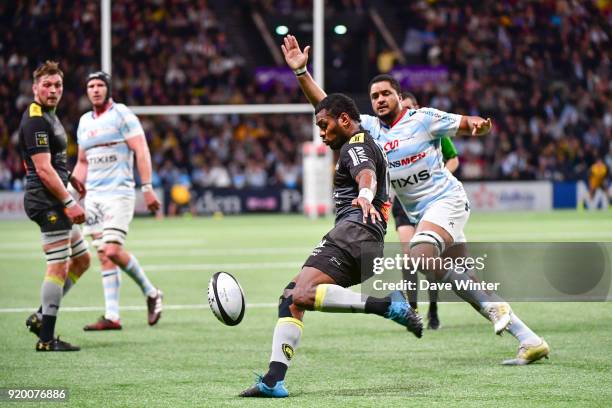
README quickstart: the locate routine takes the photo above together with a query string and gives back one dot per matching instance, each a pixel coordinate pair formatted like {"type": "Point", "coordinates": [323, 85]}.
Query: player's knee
{"type": "Point", "coordinates": [304, 297]}
{"type": "Point", "coordinates": [80, 257]}
{"type": "Point", "coordinates": [81, 263]}
{"type": "Point", "coordinates": [102, 256]}
{"type": "Point", "coordinates": [113, 252]}
{"type": "Point", "coordinates": [58, 270]}
{"type": "Point", "coordinates": [285, 301]}
{"type": "Point", "coordinates": [426, 245]}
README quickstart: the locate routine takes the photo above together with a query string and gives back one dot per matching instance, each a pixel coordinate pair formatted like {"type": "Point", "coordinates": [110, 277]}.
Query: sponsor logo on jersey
{"type": "Point", "coordinates": [335, 261]}
{"type": "Point", "coordinates": [42, 139]}
{"type": "Point", "coordinates": [442, 117]}
{"type": "Point", "coordinates": [102, 159]}
{"type": "Point", "coordinates": [317, 250]}
{"type": "Point", "coordinates": [358, 155]}
{"type": "Point", "coordinates": [405, 161]}
{"type": "Point", "coordinates": [288, 351]}
{"type": "Point", "coordinates": [390, 146]}
{"type": "Point", "coordinates": [358, 138]}
{"type": "Point", "coordinates": [411, 180]}
{"type": "Point", "coordinates": [52, 217]}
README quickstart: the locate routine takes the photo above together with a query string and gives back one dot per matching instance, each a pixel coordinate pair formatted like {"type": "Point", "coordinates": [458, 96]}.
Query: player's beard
{"type": "Point", "coordinates": [388, 118]}
{"type": "Point", "coordinates": [338, 143]}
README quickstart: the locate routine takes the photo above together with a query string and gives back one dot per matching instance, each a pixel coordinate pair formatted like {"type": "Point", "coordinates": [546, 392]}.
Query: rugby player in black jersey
{"type": "Point", "coordinates": [42, 141]}
{"type": "Point", "coordinates": [361, 195]}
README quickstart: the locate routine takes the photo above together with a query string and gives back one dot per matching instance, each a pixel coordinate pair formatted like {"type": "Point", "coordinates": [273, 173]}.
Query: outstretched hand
{"type": "Point", "coordinates": [482, 127]}
{"type": "Point", "coordinates": [294, 56]}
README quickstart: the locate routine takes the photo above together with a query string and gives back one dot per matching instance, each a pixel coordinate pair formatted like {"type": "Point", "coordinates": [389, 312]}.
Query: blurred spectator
{"type": "Point", "coordinates": [541, 70]}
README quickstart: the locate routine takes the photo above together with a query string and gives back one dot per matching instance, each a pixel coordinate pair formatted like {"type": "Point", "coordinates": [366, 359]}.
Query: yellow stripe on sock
{"type": "Point", "coordinates": [55, 280]}
{"type": "Point", "coordinates": [73, 277]}
{"type": "Point", "coordinates": [319, 296]}
{"type": "Point", "coordinates": [291, 320]}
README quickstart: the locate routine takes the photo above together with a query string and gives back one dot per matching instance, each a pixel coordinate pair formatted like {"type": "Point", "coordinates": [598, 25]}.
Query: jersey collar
{"type": "Point", "coordinates": [43, 107]}
{"type": "Point", "coordinates": [401, 115]}
{"type": "Point", "coordinates": [93, 111]}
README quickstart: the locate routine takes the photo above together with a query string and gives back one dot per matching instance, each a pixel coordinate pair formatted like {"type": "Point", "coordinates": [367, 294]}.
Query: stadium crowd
{"type": "Point", "coordinates": [541, 70]}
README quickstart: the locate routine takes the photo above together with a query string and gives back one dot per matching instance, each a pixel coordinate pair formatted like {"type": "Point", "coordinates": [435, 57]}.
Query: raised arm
{"type": "Point", "coordinates": [297, 60]}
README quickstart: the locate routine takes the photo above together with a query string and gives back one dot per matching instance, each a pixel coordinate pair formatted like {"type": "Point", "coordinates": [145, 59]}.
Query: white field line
{"type": "Point", "coordinates": [136, 308]}
{"type": "Point", "coordinates": [186, 245]}
{"type": "Point", "coordinates": [198, 252]}
{"type": "Point", "coordinates": [146, 243]}
{"type": "Point", "coordinates": [244, 266]}
{"type": "Point", "coordinates": [219, 266]}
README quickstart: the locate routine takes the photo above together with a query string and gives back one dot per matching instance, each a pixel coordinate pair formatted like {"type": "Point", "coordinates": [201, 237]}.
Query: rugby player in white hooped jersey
{"type": "Point", "coordinates": [109, 136]}
{"type": "Point", "coordinates": [431, 196]}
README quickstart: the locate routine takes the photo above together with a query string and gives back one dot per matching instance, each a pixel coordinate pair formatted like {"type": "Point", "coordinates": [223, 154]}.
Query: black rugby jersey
{"type": "Point", "coordinates": [41, 131]}
{"type": "Point", "coordinates": [358, 153]}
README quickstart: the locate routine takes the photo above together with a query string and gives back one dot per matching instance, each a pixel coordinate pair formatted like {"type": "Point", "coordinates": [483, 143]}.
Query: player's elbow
{"type": "Point", "coordinates": [452, 164]}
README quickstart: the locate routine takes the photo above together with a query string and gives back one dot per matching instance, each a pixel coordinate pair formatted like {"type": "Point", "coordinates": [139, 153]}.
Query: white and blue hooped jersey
{"type": "Point", "coordinates": [416, 165]}
{"type": "Point", "coordinates": [110, 160]}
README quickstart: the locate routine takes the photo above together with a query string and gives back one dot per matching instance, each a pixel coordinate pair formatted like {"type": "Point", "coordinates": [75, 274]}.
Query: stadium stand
{"type": "Point", "coordinates": [540, 69]}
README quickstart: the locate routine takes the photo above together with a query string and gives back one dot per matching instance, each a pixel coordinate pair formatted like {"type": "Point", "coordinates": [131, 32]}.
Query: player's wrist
{"type": "Point", "coordinates": [367, 194]}
{"type": "Point", "coordinates": [300, 71]}
{"type": "Point", "coordinates": [146, 187]}
{"type": "Point", "coordinates": [69, 202]}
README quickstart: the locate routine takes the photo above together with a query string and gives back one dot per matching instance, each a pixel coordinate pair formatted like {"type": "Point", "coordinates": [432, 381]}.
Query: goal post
{"type": "Point", "coordinates": [317, 158]}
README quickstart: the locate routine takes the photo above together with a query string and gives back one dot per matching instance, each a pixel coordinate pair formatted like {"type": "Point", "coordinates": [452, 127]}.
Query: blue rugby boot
{"type": "Point", "coordinates": [400, 312]}
{"type": "Point", "coordinates": [261, 390]}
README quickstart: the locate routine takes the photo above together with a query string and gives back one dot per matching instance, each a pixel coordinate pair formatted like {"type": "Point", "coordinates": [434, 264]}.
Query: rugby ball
{"type": "Point", "coordinates": [226, 298]}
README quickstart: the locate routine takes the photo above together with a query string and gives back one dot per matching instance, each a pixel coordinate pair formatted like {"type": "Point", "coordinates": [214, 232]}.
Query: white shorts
{"type": "Point", "coordinates": [109, 216]}
{"type": "Point", "coordinates": [450, 213]}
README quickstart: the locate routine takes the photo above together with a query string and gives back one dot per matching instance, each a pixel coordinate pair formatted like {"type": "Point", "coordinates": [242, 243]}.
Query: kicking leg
{"type": "Point", "coordinates": [333, 298]}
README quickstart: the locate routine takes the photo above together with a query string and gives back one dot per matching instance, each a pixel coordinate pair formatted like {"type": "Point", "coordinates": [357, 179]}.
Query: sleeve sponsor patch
{"type": "Point", "coordinates": [35, 110]}
{"type": "Point", "coordinates": [42, 139]}
{"type": "Point", "coordinates": [358, 138]}
{"type": "Point", "coordinates": [358, 155]}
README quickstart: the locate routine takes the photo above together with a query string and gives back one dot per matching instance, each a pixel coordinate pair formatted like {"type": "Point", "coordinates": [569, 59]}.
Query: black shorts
{"type": "Point", "coordinates": [46, 211]}
{"type": "Point", "coordinates": [340, 254]}
{"type": "Point", "coordinates": [399, 215]}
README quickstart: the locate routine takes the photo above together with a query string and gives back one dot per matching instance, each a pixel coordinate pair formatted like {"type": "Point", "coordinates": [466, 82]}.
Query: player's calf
{"type": "Point", "coordinates": [428, 245]}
